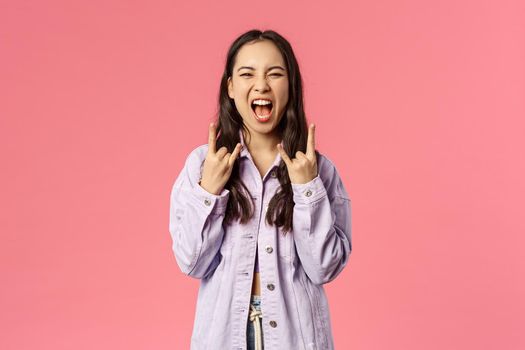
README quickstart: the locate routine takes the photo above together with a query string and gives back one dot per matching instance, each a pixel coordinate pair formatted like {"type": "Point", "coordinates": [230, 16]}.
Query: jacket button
{"type": "Point", "coordinates": [207, 201]}
{"type": "Point", "coordinates": [273, 324]}
{"type": "Point", "coordinates": [308, 193]}
{"type": "Point", "coordinates": [270, 286]}
{"type": "Point", "coordinates": [269, 249]}
{"type": "Point", "coordinates": [273, 174]}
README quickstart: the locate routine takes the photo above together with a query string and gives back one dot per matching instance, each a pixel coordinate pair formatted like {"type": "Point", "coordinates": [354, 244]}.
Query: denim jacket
{"type": "Point", "coordinates": [292, 267]}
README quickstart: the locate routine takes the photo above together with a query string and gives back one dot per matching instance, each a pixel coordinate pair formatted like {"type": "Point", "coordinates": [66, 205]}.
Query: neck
{"type": "Point", "coordinates": [261, 143]}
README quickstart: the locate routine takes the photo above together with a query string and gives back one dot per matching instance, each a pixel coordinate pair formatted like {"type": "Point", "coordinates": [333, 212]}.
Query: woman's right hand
{"type": "Point", "coordinates": [218, 165]}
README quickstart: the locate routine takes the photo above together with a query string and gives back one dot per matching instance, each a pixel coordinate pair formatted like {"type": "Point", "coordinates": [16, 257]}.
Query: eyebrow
{"type": "Point", "coordinates": [272, 67]}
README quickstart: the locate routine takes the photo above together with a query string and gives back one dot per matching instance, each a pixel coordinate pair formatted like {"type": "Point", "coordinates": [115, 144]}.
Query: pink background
{"type": "Point", "coordinates": [420, 104]}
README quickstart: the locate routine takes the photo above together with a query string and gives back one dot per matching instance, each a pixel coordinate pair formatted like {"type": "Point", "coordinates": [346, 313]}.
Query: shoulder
{"type": "Point", "coordinates": [198, 153]}
{"type": "Point", "coordinates": [194, 162]}
{"type": "Point", "coordinates": [330, 176]}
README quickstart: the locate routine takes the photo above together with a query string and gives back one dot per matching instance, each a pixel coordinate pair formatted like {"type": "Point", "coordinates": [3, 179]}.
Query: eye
{"type": "Point", "coordinates": [274, 74]}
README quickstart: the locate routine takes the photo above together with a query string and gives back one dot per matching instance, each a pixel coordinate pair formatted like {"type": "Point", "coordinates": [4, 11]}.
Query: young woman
{"type": "Point", "coordinates": [257, 214]}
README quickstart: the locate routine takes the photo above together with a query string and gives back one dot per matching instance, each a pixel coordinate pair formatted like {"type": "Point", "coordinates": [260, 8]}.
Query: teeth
{"type": "Point", "coordinates": [261, 102]}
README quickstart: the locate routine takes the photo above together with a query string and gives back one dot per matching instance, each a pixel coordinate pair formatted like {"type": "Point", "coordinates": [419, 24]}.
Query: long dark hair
{"type": "Point", "coordinates": [292, 127]}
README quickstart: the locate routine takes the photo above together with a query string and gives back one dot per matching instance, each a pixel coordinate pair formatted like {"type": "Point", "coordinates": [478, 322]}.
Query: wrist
{"type": "Point", "coordinates": [208, 188]}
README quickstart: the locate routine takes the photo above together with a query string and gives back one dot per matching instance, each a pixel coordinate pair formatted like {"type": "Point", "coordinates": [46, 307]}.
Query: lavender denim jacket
{"type": "Point", "coordinates": [293, 267]}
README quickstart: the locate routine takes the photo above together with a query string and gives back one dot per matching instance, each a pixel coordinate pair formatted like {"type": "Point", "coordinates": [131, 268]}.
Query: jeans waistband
{"type": "Point", "coordinates": [255, 300]}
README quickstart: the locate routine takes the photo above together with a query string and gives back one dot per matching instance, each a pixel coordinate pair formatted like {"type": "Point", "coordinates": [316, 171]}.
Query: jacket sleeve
{"type": "Point", "coordinates": [322, 225]}
{"type": "Point", "coordinates": [196, 218]}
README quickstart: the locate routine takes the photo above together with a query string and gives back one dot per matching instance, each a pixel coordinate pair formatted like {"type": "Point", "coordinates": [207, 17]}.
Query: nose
{"type": "Point", "coordinates": [261, 84]}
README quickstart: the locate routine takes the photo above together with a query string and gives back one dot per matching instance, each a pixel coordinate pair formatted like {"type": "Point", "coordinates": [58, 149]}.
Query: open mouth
{"type": "Point", "coordinates": [262, 112]}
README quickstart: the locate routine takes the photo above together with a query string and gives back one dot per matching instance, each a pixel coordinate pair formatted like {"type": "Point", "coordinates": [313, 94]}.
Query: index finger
{"type": "Point", "coordinates": [310, 145]}
{"type": "Point", "coordinates": [212, 135]}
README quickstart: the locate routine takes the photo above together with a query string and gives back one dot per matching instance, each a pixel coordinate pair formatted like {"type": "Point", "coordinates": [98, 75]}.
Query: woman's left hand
{"type": "Point", "coordinates": [302, 168]}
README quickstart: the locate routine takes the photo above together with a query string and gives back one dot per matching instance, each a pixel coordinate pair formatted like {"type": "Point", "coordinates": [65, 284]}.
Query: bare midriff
{"type": "Point", "coordinates": [256, 285]}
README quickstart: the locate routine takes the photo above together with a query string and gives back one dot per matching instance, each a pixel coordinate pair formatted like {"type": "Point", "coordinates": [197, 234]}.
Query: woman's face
{"type": "Point", "coordinates": [259, 73]}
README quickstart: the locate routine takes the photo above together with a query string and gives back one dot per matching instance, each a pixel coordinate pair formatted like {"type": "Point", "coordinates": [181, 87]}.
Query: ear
{"type": "Point", "coordinates": [230, 87]}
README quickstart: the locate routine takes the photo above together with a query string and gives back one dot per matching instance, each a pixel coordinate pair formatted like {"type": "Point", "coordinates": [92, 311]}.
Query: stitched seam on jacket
{"type": "Point", "coordinates": [316, 259]}
{"type": "Point", "coordinates": [212, 321]}
{"type": "Point", "coordinates": [322, 321]}
{"type": "Point", "coordinates": [200, 243]}
{"type": "Point", "coordinates": [296, 305]}
{"type": "Point", "coordinates": [321, 326]}
{"type": "Point", "coordinates": [303, 279]}
{"type": "Point", "coordinates": [312, 308]}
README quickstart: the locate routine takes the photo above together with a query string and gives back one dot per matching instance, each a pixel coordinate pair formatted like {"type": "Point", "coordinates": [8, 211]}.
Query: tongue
{"type": "Point", "coordinates": [262, 110]}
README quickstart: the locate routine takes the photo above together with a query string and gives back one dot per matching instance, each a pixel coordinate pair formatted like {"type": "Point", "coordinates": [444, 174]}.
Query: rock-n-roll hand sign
{"type": "Point", "coordinates": [302, 168]}
{"type": "Point", "coordinates": [218, 165]}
